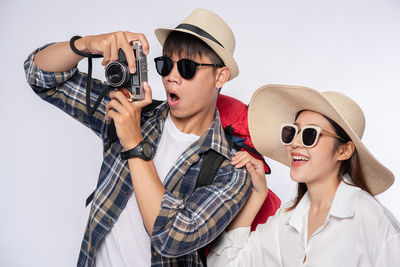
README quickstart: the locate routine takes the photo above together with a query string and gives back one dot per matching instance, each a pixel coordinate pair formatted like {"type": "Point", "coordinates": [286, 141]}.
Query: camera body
{"type": "Point", "coordinates": [118, 75]}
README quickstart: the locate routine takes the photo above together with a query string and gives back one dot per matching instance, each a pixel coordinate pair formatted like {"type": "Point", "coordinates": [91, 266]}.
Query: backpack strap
{"type": "Point", "coordinates": [208, 170]}
{"type": "Point", "coordinates": [152, 106]}
{"type": "Point", "coordinates": [209, 167]}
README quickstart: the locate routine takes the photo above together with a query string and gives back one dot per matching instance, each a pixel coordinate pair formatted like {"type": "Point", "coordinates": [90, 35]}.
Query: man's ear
{"type": "Point", "coordinates": [221, 76]}
{"type": "Point", "coordinates": [345, 151]}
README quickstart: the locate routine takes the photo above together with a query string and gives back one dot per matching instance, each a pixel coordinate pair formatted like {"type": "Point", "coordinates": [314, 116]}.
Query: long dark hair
{"type": "Point", "coordinates": [351, 166]}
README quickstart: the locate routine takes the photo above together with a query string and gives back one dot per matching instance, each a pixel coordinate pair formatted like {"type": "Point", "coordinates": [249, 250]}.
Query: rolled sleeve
{"type": "Point", "coordinates": [185, 225]}
{"type": "Point", "coordinates": [67, 91]}
{"type": "Point", "coordinates": [41, 79]}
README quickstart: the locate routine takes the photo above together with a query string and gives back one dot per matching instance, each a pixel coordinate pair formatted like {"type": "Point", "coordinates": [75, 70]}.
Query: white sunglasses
{"type": "Point", "coordinates": [309, 134]}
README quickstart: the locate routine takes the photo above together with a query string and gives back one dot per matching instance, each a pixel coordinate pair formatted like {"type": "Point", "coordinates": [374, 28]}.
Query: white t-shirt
{"type": "Point", "coordinates": [128, 243]}
{"type": "Point", "coordinates": [358, 231]}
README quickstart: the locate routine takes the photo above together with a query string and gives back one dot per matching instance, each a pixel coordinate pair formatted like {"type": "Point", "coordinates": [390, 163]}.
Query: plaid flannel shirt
{"type": "Point", "coordinates": [189, 217]}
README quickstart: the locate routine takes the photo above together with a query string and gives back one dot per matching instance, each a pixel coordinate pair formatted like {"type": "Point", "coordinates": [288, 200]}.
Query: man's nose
{"type": "Point", "coordinates": [174, 75]}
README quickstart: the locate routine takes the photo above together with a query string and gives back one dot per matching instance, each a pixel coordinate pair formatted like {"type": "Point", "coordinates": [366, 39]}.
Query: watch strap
{"type": "Point", "coordinates": [136, 152]}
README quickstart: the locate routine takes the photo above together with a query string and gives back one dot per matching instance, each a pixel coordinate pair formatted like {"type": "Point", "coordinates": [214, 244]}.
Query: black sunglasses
{"type": "Point", "coordinates": [309, 134]}
{"type": "Point", "coordinates": [186, 67]}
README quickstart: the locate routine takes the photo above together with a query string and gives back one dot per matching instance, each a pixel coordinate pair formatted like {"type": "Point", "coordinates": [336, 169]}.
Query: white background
{"type": "Point", "coordinates": [49, 163]}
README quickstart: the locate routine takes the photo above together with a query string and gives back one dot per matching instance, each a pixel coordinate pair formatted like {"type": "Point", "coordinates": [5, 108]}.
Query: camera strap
{"type": "Point", "coordinates": [90, 110]}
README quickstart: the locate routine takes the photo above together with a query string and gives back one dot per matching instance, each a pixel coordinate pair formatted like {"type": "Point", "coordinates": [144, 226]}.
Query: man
{"type": "Point", "coordinates": [147, 209]}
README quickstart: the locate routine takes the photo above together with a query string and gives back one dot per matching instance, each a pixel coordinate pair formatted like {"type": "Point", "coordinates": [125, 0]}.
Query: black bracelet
{"type": "Point", "coordinates": [76, 51]}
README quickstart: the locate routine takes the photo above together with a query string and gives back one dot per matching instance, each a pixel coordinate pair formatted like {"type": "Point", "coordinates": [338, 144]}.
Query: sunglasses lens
{"type": "Point", "coordinates": [287, 134]}
{"type": "Point", "coordinates": [164, 65]}
{"type": "Point", "coordinates": [187, 68]}
{"type": "Point", "coordinates": [309, 136]}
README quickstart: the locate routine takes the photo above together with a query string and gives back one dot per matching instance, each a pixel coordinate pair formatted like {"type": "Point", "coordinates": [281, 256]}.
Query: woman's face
{"type": "Point", "coordinates": [316, 164]}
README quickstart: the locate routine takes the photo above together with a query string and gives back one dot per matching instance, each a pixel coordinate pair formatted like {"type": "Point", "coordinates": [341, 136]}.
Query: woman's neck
{"type": "Point", "coordinates": [322, 192]}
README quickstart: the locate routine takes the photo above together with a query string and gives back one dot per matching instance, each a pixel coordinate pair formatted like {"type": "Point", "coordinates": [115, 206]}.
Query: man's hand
{"type": "Point", "coordinates": [126, 116]}
{"type": "Point", "coordinates": [109, 44]}
{"type": "Point", "coordinates": [59, 57]}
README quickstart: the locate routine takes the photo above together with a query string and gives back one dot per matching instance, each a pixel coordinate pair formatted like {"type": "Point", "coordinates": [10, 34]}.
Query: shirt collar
{"type": "Point", "coordinates": [298, 218]}
{"type": "Point", "coordinates": [343, 205]}
{"type": "Point", "coordinates": [214, 138]}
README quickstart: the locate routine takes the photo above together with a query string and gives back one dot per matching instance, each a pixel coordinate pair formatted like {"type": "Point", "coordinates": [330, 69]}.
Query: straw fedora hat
{"type": "Point", "coordinates": [211, 29]}
{"type": "Point", "coordinates": [271, 105]}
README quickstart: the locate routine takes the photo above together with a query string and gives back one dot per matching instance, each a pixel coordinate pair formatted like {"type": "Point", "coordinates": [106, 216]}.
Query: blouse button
{"type": "Point", "coordinates": [154, 253]}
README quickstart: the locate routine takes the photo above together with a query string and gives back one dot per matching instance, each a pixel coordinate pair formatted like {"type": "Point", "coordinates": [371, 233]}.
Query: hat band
{"type": "Point", "coordinates": [199, 31]}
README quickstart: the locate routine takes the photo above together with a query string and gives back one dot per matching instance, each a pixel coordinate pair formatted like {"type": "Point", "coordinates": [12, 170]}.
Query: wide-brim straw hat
{"type": "Point", "coordinates": [272, 105]}
{"type": "Point", "coordinates": [212, 30]}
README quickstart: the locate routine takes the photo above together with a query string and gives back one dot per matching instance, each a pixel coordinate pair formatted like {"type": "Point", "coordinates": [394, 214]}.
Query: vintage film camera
{"type": "Point", "coordinates": [118, 75]}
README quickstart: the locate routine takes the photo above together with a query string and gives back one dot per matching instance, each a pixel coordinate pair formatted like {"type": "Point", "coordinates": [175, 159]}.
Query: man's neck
{"type": "Point", "coordinates": [196, 124]}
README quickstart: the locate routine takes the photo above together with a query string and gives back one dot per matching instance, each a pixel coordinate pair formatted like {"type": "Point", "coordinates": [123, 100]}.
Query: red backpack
{"type": "Point", "coordinates": [233, 114]}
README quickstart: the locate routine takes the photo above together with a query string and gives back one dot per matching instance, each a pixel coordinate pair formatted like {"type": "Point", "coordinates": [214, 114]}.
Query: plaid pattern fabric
{"type": "Point", "coordinates": [189, 217]}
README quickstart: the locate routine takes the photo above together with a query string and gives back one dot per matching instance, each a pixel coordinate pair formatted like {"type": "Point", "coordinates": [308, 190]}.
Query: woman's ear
{"type": "Point", "coordinates": [345, 151]}
{"type": "Point", "coordinates": [221, 76]}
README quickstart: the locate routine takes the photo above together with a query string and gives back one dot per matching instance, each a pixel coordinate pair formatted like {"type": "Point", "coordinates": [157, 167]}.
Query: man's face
{"type": "Point", "coordinates": [193, 98]}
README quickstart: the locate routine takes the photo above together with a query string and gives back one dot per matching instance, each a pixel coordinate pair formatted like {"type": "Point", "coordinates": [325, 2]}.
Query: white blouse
{"type": "Point", "coordinates": [358, 231]}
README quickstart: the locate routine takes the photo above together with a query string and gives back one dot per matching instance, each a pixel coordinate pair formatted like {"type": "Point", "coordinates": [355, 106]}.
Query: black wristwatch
{"type": "Point", "coordinates": [143, 150]}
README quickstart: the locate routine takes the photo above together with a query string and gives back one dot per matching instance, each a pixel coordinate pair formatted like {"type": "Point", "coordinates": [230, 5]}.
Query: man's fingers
{"type": "Point", "coordinates": [114, 51]}
{"type": "Point", "coordinates": [145, 44]}
{"type": "Point", "coordinates": [148, 95]}
{"type": "Point", "coordinates": [136, 37]}
{"type": "Point", "coordinates": [115, 105]}
{"type": "Point", "coordinates": [118, 95]}
{"type": "Point", "coordinates": [126, 47]}
{"type": "Point", "coordinates": [141, 38]}
{"type": "Point", "coordinates": [109, 44]}
{"type": "Point", "coordinates": [106, 55]}
{"type": "Point", "coordinates": [112, 114]}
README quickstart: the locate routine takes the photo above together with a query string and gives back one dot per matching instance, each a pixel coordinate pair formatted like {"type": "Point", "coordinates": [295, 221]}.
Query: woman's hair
{"type": "Point", "coordinates": [189, 46]}
{"type": "Point", "coordinates": [351, 166]}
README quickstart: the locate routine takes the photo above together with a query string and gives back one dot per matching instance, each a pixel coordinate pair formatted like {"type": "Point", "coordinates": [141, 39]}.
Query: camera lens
{"type": "Point", "coordinates": [117, 74]}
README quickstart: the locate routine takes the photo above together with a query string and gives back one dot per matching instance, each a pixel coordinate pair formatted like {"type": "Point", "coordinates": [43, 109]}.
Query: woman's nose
{"type": "Point", "coordinates": [297, 140]}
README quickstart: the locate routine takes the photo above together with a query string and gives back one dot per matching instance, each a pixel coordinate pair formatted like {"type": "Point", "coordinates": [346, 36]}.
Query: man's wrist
{"type": "Point", "coordinates": [78, 46]}
{"type": "Point", "coordinates": [143, 150]}
{"type": "Point", "coordinates": [131, 145]}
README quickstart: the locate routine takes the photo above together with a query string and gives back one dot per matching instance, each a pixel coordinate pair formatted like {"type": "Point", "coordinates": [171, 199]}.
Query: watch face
{"type": "Point", "coordinates": [147, 149]}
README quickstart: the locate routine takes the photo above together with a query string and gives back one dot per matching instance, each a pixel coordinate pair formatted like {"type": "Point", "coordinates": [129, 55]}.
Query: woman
{"type": "Point", "coordinates": [335, 219]}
